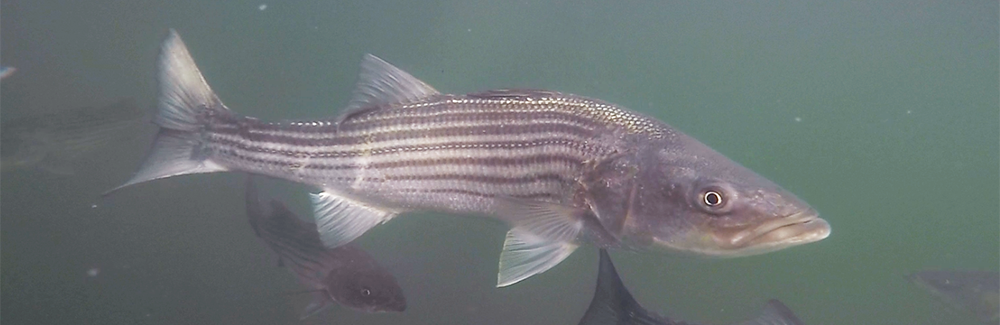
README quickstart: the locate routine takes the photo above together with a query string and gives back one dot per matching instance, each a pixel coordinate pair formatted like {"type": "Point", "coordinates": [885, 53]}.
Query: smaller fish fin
{"type": "Point", "coordinates": [254, 210]}
{"type": "Point", "coordinates": [319, 303]}
{"type": "Point", "coordinates": [280, 210]}
{"type": "Point", "coordinates": [551, 221]}
{"type": "Point", "coordinates": [184, 98]}
{"type": "Point", "coordinates": [340, 220]}
{"type": "Point", "coordinates": [381, 83]}
{"type": "Point", "coordinates": [525, 254]}
{"type": "Point", "coordinates": [612, 303]}
{"type": "Point", "coordinates": [775, 313]}
{"type": "Point", "coordinates": [57, 166]}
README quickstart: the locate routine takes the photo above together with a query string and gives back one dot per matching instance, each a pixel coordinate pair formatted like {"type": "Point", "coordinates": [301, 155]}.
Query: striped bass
{"type": "Point", "coordinates": [345, 275]}
{"type": "Point", "coordinates": [561, 169]}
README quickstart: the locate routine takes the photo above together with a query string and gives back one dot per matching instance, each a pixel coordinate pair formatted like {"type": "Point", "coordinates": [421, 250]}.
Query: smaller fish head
{"type": "Point", "coordinates": [699, 201]}
{"type": "Point", "coordinates": [366, 290]}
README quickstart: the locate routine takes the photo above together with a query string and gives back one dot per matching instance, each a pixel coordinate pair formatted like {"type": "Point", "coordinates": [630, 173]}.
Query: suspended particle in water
{"type": "Point", "coordinates": [262, 7]}
{"type": "Point", "coordinates": [94, 271]}
{"type": "Point", "coordinates": [798, 119]}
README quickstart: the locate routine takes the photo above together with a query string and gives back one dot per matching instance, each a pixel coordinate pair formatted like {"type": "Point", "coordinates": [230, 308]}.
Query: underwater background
{"type": "Point", "coordinates": [883, 115]}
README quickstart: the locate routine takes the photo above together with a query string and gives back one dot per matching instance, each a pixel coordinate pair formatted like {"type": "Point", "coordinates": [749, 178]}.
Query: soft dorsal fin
{"type": "Point", "coordinates": [381, 83]}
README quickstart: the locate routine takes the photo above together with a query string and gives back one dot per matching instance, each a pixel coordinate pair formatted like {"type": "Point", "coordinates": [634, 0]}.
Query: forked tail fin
{"type": "Point", "coordinates": [613, 304]}
{"type": "Point", "coordinates": [184, 101]}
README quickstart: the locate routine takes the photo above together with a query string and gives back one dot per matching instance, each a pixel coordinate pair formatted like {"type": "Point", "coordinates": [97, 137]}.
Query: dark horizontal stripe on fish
{"type": "Point", "coordinates": [474, 178]}
{"type": "Point", "coordinates": [528, 159]}
{"type": "Point", "coordinates": [307, 137]}
{"type": "Point", "coordinates": [290, 151]}
{"type": "Point", "coordinates": [440, 113]}
{"type": "Point", "coordinates": [287, 244]}
{"type": "Point", "coordinates": [408, 116]}
{"type": "Point", "coordinates": [529, 196]}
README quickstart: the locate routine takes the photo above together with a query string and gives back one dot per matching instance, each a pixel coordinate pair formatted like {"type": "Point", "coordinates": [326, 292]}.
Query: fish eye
{"type": "Point", "coordinates": [712, 198]}
{"type": "Point", "coordinates": [366, 292]}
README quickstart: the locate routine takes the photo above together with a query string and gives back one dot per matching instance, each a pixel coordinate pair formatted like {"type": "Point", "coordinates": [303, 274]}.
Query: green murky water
{"type": "Point", "coordinates": [883, 115]}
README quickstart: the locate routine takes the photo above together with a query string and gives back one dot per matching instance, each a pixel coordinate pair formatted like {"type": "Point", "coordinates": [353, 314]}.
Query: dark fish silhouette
{"type": "Point", "coordinates": [345, 275]}
{"type": "Point", "coordinates": [561, 169]}
{"type": "Point", "coordinates": [613, 304]}
{"type": "Point", "coordinates": [974, 291]}
{"type": "Point", "coordinates": [53, 142]}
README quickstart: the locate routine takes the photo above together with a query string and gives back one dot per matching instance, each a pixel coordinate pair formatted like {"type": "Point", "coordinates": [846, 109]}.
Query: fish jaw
{"type": "Point", "coordinates": [781, 233]}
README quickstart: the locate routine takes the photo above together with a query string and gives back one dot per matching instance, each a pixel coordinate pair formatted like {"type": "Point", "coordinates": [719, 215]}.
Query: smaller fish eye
{"type": "Point", "coordinates": [712, 198]}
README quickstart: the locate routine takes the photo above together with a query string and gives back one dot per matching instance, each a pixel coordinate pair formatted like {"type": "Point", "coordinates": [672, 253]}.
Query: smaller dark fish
{"type": "Point", "coordinates": [975, 291]}
{"type": "Point", "coordinates": [613, 304]}
{"type": "Point", "coordinates": [54, 142]}
{"type": "Point", "coordinates": [346, 275]}
{"type": "Point", "coordinates": [6, 72]}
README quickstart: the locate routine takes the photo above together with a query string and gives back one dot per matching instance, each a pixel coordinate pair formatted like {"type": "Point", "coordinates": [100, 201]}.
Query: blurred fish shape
{"type": "Point", "coordinates": [55, 141]}
{"type": "Point", "coordinates": [6, 72]}
{"type": "Point", "coordinates": [613, 304]}
{"type": "Point", "coordinates": [345, 275]}
{"type": "Point", "coordinates": [974, 291]}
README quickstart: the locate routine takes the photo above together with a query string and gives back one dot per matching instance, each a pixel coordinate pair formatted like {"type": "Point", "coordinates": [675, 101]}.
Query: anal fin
{"type": "Point", "coordinates": [526, 254]}
{"type": "Point", "coordinates": [340, 220]}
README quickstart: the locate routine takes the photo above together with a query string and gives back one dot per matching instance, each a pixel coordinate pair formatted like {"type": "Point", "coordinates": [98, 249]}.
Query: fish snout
{"type": "Point", "coordinates": [795, 229]}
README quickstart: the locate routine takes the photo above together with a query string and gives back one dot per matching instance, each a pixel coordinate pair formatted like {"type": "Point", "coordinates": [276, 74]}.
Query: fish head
{"type": "Point", "coordinates": [365, 289]}
{"type": "Point", "coordinates": [692, 199]}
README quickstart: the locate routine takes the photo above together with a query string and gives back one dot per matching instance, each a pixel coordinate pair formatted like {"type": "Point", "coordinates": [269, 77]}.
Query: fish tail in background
{"type": "Point", "coordinates": [613, 304]}
{"type": "Point", "coordinates": [184, 105]}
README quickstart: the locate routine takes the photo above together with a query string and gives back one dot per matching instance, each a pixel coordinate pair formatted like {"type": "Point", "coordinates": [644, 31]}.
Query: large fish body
{"type": "Point", "coordinates": [54, 142]}
{"type": "Point", "coordinates": [613, 304]}
{"type": "Point", "coordinates": [561, 169]}
{"type": "Point", "coordinates": [975, 291]}
{"type": "Point", "coordinates": [344, 275]}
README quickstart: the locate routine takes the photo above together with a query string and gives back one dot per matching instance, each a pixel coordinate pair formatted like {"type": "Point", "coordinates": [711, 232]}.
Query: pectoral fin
{"type": "Point", "coordinates": [318, 304]}
{"type": "Point", "coordinates": [526, 254]}
{"type": "Point", "coordinates": [340, 220]}
{"type": "Point", "coordinates": [547, 220]}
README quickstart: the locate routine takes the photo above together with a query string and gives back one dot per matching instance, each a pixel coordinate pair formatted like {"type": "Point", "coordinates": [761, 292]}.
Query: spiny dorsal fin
{"type": "Point", "coordinates": [381, 83]}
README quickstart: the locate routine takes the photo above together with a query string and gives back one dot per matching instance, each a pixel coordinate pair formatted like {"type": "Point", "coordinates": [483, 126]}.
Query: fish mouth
{"type": "Point", "coordinates": [796, 229]}
{"type": "Point", "coordinates": [395, 306]}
